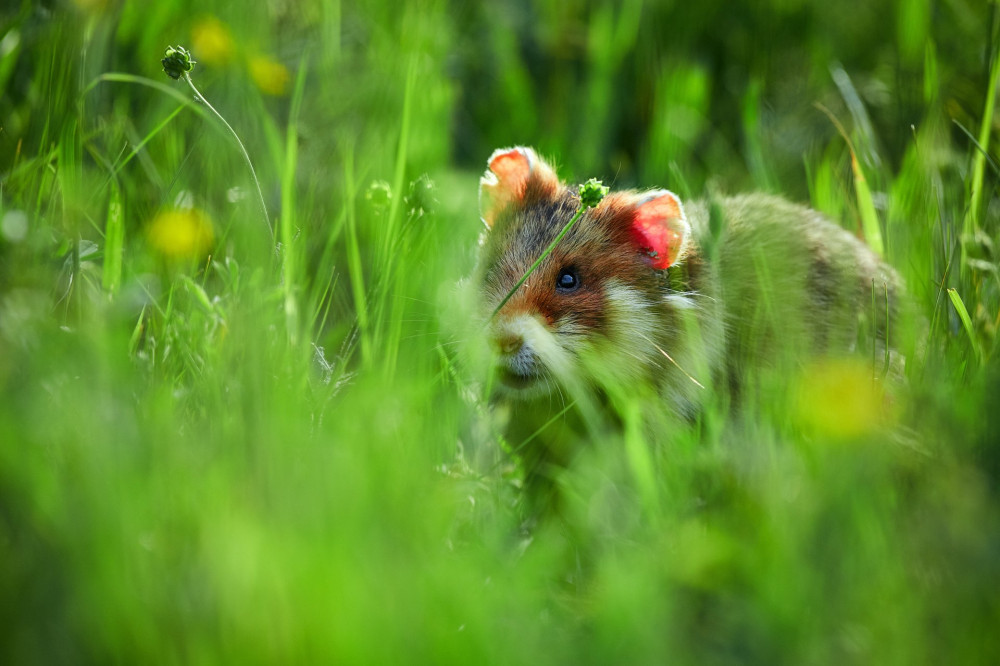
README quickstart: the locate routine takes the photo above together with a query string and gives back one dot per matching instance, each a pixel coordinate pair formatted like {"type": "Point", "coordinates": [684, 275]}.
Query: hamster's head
{"type": "Point", "coordinates": [592, 310]}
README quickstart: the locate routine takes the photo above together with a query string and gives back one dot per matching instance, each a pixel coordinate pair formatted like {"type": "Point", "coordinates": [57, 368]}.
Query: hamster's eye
{"type": "Point", "coordinates": [567, 280]}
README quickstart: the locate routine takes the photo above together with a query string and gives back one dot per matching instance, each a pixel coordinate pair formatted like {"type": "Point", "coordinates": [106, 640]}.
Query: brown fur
{"type": "Point", "coordinates": [779, 283]}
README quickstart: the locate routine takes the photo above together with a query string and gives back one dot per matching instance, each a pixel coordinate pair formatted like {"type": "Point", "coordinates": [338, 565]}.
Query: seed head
{"type": "Point", "coordinates": [379, 193]}
{"type": "Point", "coordinates": [177, 61]}
{"type": "Point", "coordinates": [591, 193]}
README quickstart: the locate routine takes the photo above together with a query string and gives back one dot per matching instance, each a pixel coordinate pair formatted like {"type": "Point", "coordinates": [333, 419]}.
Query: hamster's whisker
{"type": "Point", "coordinates": [676, 364]}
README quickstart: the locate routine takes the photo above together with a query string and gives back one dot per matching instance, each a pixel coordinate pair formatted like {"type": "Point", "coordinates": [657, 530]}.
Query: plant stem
{"type": "Point", "coordinates": [246, 156]}
{"type": "Point", "coordinates": [540, 259]}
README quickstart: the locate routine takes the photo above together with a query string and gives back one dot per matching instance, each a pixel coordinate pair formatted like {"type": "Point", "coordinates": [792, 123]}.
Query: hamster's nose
{"type": "Point", "coordinates": [507, 342]}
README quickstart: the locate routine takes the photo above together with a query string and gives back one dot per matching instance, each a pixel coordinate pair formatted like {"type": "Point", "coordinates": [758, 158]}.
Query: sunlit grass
{"type": "Point", "coordinates": [216, 446]}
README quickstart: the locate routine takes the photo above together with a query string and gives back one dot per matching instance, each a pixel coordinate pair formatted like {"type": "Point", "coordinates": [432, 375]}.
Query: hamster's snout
{"type": "Point", "coordinates": [507, 342]}
{"type": "Point", "coordinates": [516, 361]}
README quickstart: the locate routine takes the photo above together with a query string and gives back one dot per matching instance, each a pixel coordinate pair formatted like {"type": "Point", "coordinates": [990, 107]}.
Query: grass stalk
{"type": "Point", "coordinates": [866, 204]}
{"type": "Point", "coordinates": [591, 194]}
{"type": "Point", "coordinates": [391, 298]}
{"type": "Point", "coordinates": [354, 268]}
{"type": "Point", "coordinates": [114, 241]}
{"type": "Point", "coordinates": [243, 151]}
{"type": "Point", "coordinates": [290, 253]}
{"type": "Point", "coordinates": [963, 315]}
{"type": "Point", "coordinates": [541, 258]}
{"type": "Point", "coordinates": [970, 224]}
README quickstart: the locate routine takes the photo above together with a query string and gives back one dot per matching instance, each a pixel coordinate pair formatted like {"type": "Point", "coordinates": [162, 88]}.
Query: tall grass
{"type": "Point", "coordinates": [215, 448]}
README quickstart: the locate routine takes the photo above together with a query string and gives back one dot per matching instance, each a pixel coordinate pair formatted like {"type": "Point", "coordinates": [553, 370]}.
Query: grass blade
{"type": "Point", "coordinates": [114, 240]}
{"type": "Point", "coordinates": [354, 257]}
{"type": "Point", "coordinates": [971, 221]}
{"type": "Point", "coordinates": [286, 231]}
{"type": "Point", "coordinates": [963, 314]}
{"type": "Point", "coordinates": [392, 232]}
{"type": "Point", "coordinates": [866, 204]}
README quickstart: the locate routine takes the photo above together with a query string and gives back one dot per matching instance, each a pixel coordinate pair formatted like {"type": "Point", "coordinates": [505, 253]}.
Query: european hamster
{"type": "Point", "coordinates": [647, 295]}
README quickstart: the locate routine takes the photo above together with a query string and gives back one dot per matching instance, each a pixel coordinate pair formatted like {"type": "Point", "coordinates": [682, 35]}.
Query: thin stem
{"type": "Point", "coordinates": [971, 222]}
{"type": "Point", "coordinates": [540, 259]}
{"type": "Point", "coordinates": [246, 156]}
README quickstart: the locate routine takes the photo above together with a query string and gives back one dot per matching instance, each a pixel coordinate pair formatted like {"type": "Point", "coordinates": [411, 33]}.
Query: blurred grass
{"type": "Point", "coordinates": [229, 453]}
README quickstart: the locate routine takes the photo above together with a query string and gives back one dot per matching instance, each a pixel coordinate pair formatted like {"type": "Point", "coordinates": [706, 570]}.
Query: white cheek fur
{"type": "Point", "coordinates": [631, 350]}
{"type": "Point", "coordinates": [681, 300]}
{"type": "Point", "coordinates": [633, 324]}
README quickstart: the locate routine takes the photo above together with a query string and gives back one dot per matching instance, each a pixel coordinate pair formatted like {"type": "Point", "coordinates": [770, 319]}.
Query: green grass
{"type": "Point", "coordinates": [275, 453]}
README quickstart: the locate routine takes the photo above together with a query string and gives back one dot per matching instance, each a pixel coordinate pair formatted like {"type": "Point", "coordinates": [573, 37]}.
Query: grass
{"type": "Point", "coordinates": [229, 450]}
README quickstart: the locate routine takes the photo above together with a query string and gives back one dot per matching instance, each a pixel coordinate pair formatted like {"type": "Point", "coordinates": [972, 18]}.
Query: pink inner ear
{"type": "Point", "coordinates": [511, 170]}
{"type": "Point", "coordinates": [658, 230]}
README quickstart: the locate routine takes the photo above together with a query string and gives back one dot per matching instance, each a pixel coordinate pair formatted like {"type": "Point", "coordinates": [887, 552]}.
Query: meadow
{"type": "Point", "coordinates": [235, 426]}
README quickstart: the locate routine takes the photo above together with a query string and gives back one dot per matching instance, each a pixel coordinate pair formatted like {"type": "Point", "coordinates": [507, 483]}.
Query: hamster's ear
{"type": "Point", "coordinates": [508, 179]}
{"type": "Point", "coordinates": [659, 229]}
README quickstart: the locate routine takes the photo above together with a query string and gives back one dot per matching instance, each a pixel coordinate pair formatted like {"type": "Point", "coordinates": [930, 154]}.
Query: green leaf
{"type": "Point", "coordinates": [963, 314]}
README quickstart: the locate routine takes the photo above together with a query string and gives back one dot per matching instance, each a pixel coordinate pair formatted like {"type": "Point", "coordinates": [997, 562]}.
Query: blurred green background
{"type": "Point", "coordinates": [212, 450]}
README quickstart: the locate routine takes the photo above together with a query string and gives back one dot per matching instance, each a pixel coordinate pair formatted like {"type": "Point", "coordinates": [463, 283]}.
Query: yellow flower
{"type": "Point", "coordinates": [212, 41]}
{"type": "Point", "coordinates": [839, 399]}
{"type": "Point", "coordinates": [269, 75]}
{"type": "Point", "coordinates": [181, 233]}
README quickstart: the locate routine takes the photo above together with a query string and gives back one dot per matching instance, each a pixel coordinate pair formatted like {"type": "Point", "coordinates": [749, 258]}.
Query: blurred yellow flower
{"type": "Point", "coordinates": [181, 233]}
{"type": "Point", "coordinates": [270, 76]}
{"type": "Point", "coordinates": [211, 41]}
{"type": "Point", "coordinates": [839, 399]}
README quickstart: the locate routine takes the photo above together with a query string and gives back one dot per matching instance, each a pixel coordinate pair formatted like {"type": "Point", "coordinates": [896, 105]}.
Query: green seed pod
{"type": "Point", "coordinates": [591, 193]}
{"type": "Point", "coordinates": [177, 61]}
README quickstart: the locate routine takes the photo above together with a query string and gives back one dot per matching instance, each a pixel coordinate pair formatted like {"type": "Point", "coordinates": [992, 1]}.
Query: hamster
{"type": "Point", "coordinates": [649, 295]}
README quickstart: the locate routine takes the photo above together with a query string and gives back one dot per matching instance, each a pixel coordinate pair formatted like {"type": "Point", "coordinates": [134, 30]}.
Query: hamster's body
{"type": "Point", "coordinates": [646, 296]}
